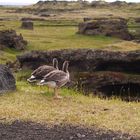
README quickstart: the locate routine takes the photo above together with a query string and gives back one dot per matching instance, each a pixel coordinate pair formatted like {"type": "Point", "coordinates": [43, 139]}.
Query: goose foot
{"type": "Point", "coordinates": [58, 97]}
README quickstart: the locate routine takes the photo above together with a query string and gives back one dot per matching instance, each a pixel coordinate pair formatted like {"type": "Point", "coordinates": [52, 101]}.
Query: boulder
{"type": "Point", "coordinates": [107, 27]}
{"type": "Point", "coordinates": [27, 25]}
{"type": "Point", "coordinates": [7, 80]}
{"type": "Point", "coordinates": [9, 38]}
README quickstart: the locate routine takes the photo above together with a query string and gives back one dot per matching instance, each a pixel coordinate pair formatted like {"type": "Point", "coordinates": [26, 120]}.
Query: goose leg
{"type": "Point", "coordinates": [40, 88]}
{"type": "Point", "coordinates": [48, 89]}
{"type": "Point", "coordinates": [56, 94]}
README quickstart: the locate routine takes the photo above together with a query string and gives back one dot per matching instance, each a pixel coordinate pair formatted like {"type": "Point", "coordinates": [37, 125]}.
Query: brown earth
{"type": "Point", "coordinates": [33, 131]}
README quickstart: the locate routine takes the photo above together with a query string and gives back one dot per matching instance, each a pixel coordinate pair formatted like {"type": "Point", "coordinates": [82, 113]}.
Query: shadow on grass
{"type": "Point", "coordinates": [29, 130]}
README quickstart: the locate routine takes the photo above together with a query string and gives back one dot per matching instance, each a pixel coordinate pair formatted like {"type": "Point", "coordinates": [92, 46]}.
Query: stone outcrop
{"type": "Point", "coordinates": [85, 59]}
{"type": "Point", "coordinates": [108, 84]}
{"type": "Point", "coordinates": [27, 25]}
{"type": "Point", "coordinates": [9, 38]}
{"type": "Point", "coordinates": [97, 71]}
{"type": "Point", "coordinates": [7, 80]}
{"type": "Point", "coordinates": [107, 27]}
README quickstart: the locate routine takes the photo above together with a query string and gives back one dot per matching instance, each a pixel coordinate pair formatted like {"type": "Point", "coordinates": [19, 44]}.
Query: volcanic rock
{"type": "Point", "coordinates": [85, 59]}
{"type": "Point", "coordinates": [27, 25]}
{"type": "Point", "coordinates": [9, 38]}
{"type": "Point", "coordinates": [7, 80]}
{"type": "Point", "coordinates": [108, 27]}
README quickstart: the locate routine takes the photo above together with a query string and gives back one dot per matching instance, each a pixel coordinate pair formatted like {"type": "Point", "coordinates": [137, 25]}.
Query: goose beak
{"type": "Point", "coordinates": [31, 79]}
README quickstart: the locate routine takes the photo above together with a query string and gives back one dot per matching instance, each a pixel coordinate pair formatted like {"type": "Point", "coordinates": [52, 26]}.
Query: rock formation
{"type": "Point", "coordinates": [27, 25]}
{"type": "Point", "coordinates": [85, 59]}
{"type": "Point", "coordinates": [9, 38]}
{"type": "Point", "coordinates": [7, 80]}
{"type": "Point", "coordinates": [105, 26]}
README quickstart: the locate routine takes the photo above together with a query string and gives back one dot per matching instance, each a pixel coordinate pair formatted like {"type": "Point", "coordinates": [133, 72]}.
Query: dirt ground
{"type": "Point", "coordinates": [33, 131]}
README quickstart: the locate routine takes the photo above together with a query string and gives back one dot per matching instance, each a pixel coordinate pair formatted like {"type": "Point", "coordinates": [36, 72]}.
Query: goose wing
{"type": "Point", "coordinates": [55, 75]}
{"type": "Point", "coordinates": [58, 76]}
{"type": "Point", "coordinates": [42, 70]}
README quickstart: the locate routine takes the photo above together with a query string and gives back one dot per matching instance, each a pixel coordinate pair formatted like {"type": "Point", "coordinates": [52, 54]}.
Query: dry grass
{"type": "Point", "coordinates": [123, 46]}
{"type": "Point", "coordinates": [29, 103]}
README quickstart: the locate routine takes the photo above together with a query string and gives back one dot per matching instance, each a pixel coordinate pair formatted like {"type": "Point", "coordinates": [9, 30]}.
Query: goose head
{"type": "Point", "coordinates": [65, 66]}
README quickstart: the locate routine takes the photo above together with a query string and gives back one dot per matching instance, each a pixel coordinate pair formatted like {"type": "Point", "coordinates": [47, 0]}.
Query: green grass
{"type": "Point", "coordinates": [46, 38]}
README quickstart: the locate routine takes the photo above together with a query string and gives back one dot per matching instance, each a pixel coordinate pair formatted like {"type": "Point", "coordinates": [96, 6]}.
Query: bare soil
{"type": "Point", "coordinates": [34, 131]}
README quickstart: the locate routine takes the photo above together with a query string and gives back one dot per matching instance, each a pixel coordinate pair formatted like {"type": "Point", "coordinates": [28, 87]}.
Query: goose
{"type": "Point", "coordinates": [56, 79]}
{"type": "Point", "coordinates": [41, 71]}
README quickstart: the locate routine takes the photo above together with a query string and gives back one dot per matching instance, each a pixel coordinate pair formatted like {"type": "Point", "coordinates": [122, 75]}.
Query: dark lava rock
{"type": "Point", "coordinates": [96, 71]}
{"type": "Point", "coordinates": [7, 80]}
{"type": "Point", "coordinates": [27, 25]}
{"type": "Point", "coordinates": [108, 27]}
{"type": "Point", "coordinates": [108, 84]}
{"type": "Point", "coordinates": [85, 60]}
{"type": "Point", "coordinates": [10, 39]}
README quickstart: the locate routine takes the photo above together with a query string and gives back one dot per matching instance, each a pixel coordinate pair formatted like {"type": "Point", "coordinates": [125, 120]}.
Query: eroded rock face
{"type": "Point", "coordinates": [108, 84]}
{"type": "Point", "coordinates": [97, 71]}
{"type": "Point", "coordinates": [9, 38]}
{"type": "Point", "coordinates": [108, 27]}
{"type": "Point", "coordinates": [85, 60]}
{"type": "Point", "coordinates": [27, 25]}
{"type": "Point", "coordinates": [7, 80]}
